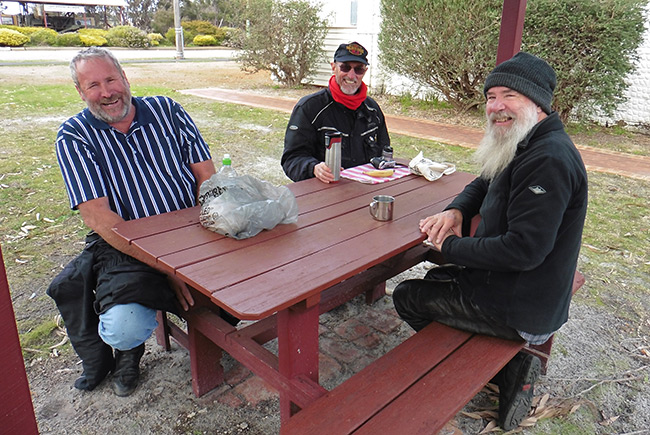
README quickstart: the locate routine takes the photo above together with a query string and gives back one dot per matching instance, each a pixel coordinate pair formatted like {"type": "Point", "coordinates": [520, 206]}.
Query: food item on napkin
{"type": "Point", "coordinates": [429, 169]}
{"type": "Point", "coordinates": [380, 173]}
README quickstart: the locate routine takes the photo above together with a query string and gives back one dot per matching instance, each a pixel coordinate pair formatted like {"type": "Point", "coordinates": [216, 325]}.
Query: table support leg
{"type": "Point", "coordinates": [378, 292]}
{"type": "Point", "coordinates": [297, 348]}
{"type": "Point", "coordinates": [205, 362]}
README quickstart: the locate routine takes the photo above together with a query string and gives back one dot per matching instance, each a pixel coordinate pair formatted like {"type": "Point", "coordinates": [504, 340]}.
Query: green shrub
{"type": "Point", "coordinates": [220, 35]}
{"type": "Point", "coordinates": [24, 30]}
{"type": "Point", "coordinates": [154, 39]}
{"type": "Point", "coordinates": [234, 37]}
{"type": "Point", "coordinates": [592, 46]}
{"type": "Point", "coordinates": [127, 36]}
{"type": "Point", "coordinates": [44, 37]}
{"type": "Point", "coordinates": [198, 27]}
{"type": "Point", "coordinates": [204, 40]}
{"type": "Point", "coordinates": [93, 32]}
{"type": "Point", "coordinates": [69, 40]}
{"type": "Point", "coordinates": [284, 37]}
{"type": "Point", "coordinates": [92, 41]}
{"type": "Point", "coordinates": [12, 38]}
{"type": "Point", "coordinates": [449, 46]}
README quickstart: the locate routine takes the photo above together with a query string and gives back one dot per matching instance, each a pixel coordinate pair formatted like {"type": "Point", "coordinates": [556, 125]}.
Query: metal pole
{"type": "Point", "coordinates": [178, 30]}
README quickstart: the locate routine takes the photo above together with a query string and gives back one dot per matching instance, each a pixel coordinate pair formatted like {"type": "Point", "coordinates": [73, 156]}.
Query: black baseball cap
{"type": "Point", "coordinates": [351, 52]}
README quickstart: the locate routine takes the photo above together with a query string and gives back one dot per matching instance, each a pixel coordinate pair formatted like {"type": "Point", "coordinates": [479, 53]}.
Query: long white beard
{"type": "Point", "coordinates": [499, 145]}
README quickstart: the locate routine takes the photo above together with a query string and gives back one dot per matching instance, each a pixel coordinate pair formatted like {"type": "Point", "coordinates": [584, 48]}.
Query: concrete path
{"type": "Point", "coordinates": [595, 159]}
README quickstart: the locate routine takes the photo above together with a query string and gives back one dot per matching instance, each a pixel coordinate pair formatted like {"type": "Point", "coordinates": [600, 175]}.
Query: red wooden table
{"type": "Point", "coordinates": [286, 277]}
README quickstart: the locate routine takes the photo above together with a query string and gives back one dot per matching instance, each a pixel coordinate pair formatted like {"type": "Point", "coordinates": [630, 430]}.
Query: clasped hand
{"type": "Point", "coordinates": [442, 225]}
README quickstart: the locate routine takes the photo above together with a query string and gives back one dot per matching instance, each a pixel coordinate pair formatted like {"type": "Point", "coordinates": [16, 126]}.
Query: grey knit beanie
{"type": "Point", "coordinates": [527, 74]}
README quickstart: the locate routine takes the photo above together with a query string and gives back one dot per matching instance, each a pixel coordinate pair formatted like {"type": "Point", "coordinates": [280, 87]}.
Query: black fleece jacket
{"type": "Point", "coordinates": [521, 261]}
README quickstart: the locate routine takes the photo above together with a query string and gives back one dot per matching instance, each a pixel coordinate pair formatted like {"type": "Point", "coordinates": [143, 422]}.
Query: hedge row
{"type": "Point", "coordinates": [199, 33]}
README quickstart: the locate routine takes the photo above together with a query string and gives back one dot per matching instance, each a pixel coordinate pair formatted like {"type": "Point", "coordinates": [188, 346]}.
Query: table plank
{"type": "Point", "coordinates": [158, 224]}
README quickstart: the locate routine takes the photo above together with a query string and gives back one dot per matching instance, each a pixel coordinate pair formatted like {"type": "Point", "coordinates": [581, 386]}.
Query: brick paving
{"type": "Point", "coordinates": [597, 160]}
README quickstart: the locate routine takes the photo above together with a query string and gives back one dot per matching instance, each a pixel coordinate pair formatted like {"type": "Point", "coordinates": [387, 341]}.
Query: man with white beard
{"type": "Point", "coordinates": [343, 107]}
{"type": "Point", "coordinates": [513, 278]}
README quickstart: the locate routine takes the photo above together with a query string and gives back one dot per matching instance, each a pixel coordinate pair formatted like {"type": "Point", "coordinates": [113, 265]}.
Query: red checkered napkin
{"type": "Point", "coordinates": [357, 174]}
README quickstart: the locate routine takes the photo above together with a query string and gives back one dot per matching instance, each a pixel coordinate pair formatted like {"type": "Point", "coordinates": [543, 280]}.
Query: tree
{"type": "Point", "coordinates": [140, 13]}
{"type": "Point", "coordinates": [592, 46]}
{"type": "Point", "coordinates": [284, 37]}
{"type": "Point", "coordinates": [449, 45]}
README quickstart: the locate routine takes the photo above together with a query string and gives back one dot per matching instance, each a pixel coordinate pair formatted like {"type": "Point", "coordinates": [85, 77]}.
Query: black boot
{"type": "Point", "coordinates": [127, 370]}
{"type": "Point", "coordinates": [516, 387]}
{"type": "Point", "coordinates": [97, 363]}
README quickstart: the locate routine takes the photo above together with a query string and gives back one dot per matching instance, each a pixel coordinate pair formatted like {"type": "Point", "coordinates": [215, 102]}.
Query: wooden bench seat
{"type": "Point", "coordinates": [415, 388]}
{"type": "Point", "coordinates": [418, 386]}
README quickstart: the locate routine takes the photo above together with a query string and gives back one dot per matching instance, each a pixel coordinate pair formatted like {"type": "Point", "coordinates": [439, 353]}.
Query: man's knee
{"type": "Point", "coordinates": [126, 326]}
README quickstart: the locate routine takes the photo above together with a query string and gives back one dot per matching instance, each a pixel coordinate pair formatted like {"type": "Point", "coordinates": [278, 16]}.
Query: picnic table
{"type": "Point", "coordinates": [283, 279]}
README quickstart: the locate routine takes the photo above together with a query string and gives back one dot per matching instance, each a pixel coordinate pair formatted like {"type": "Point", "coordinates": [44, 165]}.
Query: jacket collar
{"type": "Point", "coordinates": [550, 123]}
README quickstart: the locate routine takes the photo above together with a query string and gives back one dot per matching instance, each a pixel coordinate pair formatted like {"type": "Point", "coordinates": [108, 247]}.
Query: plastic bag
{"type": "Point", "coordinates": [242, 206]}
{"type": "Point", "coordinates": [429, 169]}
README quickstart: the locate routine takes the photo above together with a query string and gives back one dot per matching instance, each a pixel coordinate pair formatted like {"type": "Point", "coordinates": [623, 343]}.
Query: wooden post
{"type": "Point", "coordinates": [16, 409]}
{"type": "Point", "coordinates": [512, 27]}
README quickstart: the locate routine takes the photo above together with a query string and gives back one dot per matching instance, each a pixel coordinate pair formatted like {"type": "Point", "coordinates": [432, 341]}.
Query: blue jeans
{"type": "Point", "coordinates": [126, 326]}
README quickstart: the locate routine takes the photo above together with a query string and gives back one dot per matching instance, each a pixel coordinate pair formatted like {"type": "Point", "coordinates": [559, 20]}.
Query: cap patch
{"type": "Point", "coordinates": [355, 49]}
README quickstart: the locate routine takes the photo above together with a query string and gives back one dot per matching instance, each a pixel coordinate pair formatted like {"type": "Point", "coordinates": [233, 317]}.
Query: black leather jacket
{"type": "Point", "coordinates": [364, 133]}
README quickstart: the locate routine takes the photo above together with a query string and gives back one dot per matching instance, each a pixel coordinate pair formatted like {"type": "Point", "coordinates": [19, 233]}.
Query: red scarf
{"type": "Point", "coordinates": [350, 101]}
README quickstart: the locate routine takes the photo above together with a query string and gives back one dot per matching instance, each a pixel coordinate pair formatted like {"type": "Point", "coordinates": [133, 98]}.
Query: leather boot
{"type": "Point", "coordinates": [516, 387]}
{"type": "Point", "coordinates": [127, 370]}
{"type": "Point", "coordinates": [97, 361]}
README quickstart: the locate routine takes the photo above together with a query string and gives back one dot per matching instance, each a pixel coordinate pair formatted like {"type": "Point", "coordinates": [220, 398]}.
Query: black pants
{"type": "Point", "coordinates": [438, 298]}
{"type": "Point", "coordinates": [97, 279]}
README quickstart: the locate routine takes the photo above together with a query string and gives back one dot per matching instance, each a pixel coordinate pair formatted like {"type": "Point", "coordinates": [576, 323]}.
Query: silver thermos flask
{"type": "Point", "coordinates": [333, 153]}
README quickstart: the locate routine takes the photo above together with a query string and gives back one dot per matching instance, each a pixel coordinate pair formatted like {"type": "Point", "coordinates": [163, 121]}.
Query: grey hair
{"type": "Point", "coordinates": [92, 53]}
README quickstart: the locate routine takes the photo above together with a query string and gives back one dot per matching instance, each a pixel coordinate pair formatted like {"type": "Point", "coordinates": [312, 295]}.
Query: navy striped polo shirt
{"type": "Point", "coordinates": [144, 172]}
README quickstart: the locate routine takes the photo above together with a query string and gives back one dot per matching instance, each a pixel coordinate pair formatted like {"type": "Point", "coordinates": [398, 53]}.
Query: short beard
{"type": "Point", "coordinates": [99, 113]}
{"type": "Point", "coordinates": [499, 146]}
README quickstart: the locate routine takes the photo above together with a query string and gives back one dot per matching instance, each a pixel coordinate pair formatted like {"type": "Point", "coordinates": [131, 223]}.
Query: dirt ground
{"type": "Point", "coordinates": [596, 370]}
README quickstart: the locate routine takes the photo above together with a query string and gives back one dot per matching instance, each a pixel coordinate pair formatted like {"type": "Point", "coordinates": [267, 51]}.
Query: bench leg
{"type": "Point", "coordinates": [297, 348]}
{"type": "Point", "coordinates": [162, 331]}
{"type": "Point", "coordinates": [205, 362]}
{"type": "Point", "coordinates": [541, 351]}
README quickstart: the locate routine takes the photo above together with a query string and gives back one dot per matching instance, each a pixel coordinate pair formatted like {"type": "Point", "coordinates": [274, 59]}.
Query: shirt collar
{"type": "Point", "coordinates": [143, 116]}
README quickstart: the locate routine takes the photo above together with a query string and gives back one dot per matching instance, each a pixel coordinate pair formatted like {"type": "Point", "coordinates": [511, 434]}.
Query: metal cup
{"type": "Point", "coordinates": [381, 207]}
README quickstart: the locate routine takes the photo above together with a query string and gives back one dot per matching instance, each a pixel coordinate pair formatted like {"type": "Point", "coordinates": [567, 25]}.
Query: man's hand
{"type": "Point", "coordinates": [182, 292]}
{"type": "Point", "coordinates": [442, 225]}
{"type": "Point", "coordinates": [323, 173]}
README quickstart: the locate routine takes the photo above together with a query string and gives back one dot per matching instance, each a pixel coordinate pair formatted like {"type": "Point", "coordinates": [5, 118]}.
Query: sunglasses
{"type": "Point", "coordinates": [358, 70]}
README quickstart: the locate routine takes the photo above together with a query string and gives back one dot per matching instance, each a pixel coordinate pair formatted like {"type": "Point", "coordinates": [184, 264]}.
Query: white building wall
{"type": "Point", "coordinates": [636, 110]}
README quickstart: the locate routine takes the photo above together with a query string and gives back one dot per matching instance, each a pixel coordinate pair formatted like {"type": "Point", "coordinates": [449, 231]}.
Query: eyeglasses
{"type": "Point", "coordinates": [358, 70]}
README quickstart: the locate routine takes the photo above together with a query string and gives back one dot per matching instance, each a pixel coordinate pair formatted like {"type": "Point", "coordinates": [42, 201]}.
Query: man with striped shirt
{"type": "Point", "coordinates": [122, 158]}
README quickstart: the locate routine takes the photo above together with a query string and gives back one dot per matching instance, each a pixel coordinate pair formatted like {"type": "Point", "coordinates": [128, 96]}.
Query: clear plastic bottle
{"type": "Point", "coordinates": [226, 167]}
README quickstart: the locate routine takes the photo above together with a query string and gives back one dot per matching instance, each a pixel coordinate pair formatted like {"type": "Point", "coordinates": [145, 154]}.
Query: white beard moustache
{"type": "Point", "coordinates": [498, 146]}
